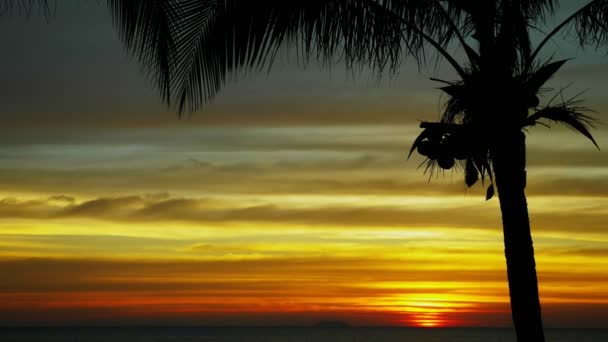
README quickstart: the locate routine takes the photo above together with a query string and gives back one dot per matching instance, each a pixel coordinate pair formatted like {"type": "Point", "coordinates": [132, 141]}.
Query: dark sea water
{"type": "Point", "coordinates": [286, 335]}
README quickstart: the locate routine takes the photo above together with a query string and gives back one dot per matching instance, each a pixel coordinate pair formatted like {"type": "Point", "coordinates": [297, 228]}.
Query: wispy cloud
{"type": "Point", "coordinates": [549, 213]}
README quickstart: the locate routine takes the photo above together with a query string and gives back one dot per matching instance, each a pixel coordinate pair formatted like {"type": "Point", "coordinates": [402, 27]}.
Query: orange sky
{"type": "Point", "coordinates": [288, 201]}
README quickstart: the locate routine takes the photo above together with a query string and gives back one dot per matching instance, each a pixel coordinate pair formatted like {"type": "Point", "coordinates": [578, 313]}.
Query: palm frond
{"type": "Point", "coordinates": [148, 31]}
{"type": "Point", "coordinates": [515, 18]}
{"type": "Point", "coordinates": [191, 47]}
{"type": "Point", "coordinates": [24, 7]}
{"type": "Point", "coordinates": [490, 192]}
{"type": "Point", "coordinates": [471, 174]}
{"type": "Point", "coordinates": [538, 10]}
{"type": "Point", "coordinates": [426, 134]}
{"type": "Point", "coordinates": [567, 114]}
{"type": "Point", "coordinates": [535, 79]}
{"type": "Point", "coordinates": [439, 19]}
{"type": "Point", "coordinates": [240, 35]}
{"type": "Point", "coordinates": [458, 105]}
{"type": "Point", "coordinates": [513, 39]}
{"type": "Point", "coordinates": [591, 24]}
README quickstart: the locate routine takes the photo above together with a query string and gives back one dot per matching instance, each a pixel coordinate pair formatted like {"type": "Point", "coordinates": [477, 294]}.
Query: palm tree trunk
{"type": "Point", "coordinates": [509, 162]}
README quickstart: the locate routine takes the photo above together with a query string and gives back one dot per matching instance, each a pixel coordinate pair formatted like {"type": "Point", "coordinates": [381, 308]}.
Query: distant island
{"type": "Point", "coordinates": [332, 324]}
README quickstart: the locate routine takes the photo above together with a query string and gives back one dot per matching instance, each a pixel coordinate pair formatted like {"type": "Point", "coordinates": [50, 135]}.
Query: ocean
{"type": "Point", "coordinates": [157, 334]}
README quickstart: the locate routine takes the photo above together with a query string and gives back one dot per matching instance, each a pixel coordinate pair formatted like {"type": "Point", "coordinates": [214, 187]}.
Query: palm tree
{"type": "Point", "coordinates": [189, 48]}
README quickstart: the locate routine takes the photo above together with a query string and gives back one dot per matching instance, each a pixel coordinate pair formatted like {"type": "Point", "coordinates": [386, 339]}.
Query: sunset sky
{"type": "Point", "coordinates": [287, 201]}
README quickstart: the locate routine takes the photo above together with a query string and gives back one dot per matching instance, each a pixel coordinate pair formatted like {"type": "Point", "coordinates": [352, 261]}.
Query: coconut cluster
{"type": "Point", "coordinates": [445, 149]}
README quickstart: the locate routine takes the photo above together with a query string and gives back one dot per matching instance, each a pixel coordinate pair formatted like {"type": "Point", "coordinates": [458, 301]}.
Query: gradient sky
{"type": "Point", "coordinates": [287, 201]}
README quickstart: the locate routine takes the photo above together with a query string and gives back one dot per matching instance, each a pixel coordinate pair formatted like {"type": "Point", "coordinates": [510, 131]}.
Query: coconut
{"type": "Point", "coordinates": [424, 148]}
{"type": "Point", "coordinates": [429, 149]}
{"type": "Point", "coordinates": [446, 161]}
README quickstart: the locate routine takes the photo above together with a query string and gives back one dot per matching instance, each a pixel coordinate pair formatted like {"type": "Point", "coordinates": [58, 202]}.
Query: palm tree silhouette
{"type": "Point", "coordinates": [189, 48]}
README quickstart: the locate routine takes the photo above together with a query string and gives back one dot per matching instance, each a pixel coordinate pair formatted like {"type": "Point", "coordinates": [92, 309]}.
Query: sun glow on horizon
{"type": "Point", "coordinates": [433, 310]}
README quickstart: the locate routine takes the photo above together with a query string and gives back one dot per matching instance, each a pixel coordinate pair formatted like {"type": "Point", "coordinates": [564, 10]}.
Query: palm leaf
{"type": "Point", "coordinates": [191, 47]}
{"type": "Point", "coordinates": [513, 40]}
{"type": "Point", "coordinates": [442, 20]}
{"type": "Point", "coordinates": [490, 192]}
{"type": "Point", "coordinates": [424, 135]}
{"type": "Point", "coordinates": [570, 116]}
{"type": "Point", "coordinates": [26, 7]}
{"type": "Point", "coordinates": [246, 35]}
{"type": "Point", "coordinates": [591, 24]}
{"type": "Point", "coordinates": [538, 10]}
{"type": "Point", "coordinates": [471, 174]}
{"type": "Point", "coordinates": [148, 30]}
{"type": "Point", "coordinates": [536, 79]}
